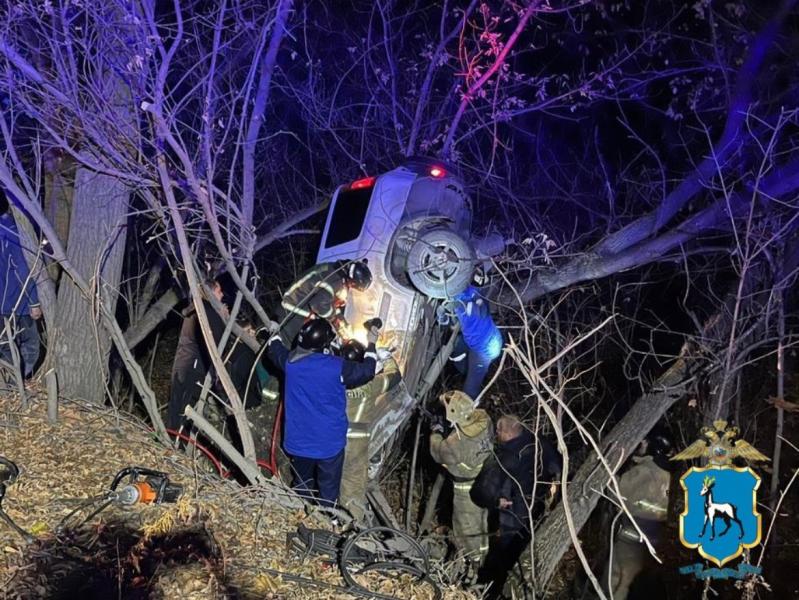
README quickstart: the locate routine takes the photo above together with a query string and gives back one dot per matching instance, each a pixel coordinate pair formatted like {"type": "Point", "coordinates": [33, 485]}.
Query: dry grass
{"type": "Point", "coordinates": [78, 457]}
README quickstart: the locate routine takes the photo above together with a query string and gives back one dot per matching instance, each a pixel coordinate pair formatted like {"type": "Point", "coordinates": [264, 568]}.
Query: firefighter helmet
{"type": "Point", "coordinates": [459, 406]}
{"type": "Point", "coordinates": [353, 350]}
{"type": "Point", "coordinates": [316, 334]}
{"type": "Point", "coordinates": [359, 276]}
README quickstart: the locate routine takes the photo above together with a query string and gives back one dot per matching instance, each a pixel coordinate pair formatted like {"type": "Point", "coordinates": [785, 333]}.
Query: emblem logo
{"type": "Point", "coordinates": [720, 517]}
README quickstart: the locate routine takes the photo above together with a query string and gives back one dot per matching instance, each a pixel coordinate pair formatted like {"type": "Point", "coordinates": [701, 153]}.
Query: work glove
{"type": "Point", "coordinates": [442, 316]}
{"type": "Point", "coordinates": [372, 335]}
{"type": "Point", "coordinates": [437, 425]}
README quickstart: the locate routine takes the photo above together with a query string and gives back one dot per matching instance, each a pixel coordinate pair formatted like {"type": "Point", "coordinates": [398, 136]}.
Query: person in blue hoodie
{"type": "Point", "coordinates": [315, 429]}
{"type": "Point", "coordinates": [480, 342]}
{"type": "Point", "coordinates": [19, 301]}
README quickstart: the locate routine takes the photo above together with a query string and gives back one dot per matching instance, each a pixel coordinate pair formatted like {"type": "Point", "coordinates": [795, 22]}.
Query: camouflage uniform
{"type": "Point", "coordinates": [645, 486]}
{"type": "Point", "coordinates": [462, 454]}
{"type": "Point", "coordinates": [361, 404]}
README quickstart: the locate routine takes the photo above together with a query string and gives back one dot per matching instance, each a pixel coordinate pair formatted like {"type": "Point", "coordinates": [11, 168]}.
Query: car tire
{"type": "Point", "coordinates": [440, 263]}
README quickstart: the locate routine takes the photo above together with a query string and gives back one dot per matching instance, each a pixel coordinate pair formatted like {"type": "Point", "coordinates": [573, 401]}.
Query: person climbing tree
{"type": "Point", "coordinates": [480, 342]}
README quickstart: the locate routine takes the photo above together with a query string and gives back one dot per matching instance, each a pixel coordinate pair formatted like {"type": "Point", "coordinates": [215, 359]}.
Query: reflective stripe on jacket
{"type": "Point", "coordinates": [461, 455]}
{"type": "Point", "coordinates": [318, 291]}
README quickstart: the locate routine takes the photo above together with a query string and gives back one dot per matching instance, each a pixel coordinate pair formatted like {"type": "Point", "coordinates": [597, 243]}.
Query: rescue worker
{"type": "Point", "coordinates": [480, 341]}
{"type": "Point", "coordinates": [645, 488]}
{"type": "Point", "coordinates": [19, 300]}
{"type": "Point", "coordinates": [462, 453]}
{"type": "Point", "coordinates": [315, 431]}
{"type": "Point", "coordinates": [362, 404]}
{"type": "Point", "coordinates": [322, 292]}
{"type": "Point", "coordinates": [522, 465]}
{"type": "Point", "coordinates": [192, 361]}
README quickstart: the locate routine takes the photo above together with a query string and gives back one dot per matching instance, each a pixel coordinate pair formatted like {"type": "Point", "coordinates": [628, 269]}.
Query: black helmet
{"type": "Point", "coordinates": [353, 350]}
{"type": "Point", "coordinates": [315, 334]}
{"type": "Point", "coordinates": [658, 444]}
{"type": "Point", "coordinates": [358, 275]}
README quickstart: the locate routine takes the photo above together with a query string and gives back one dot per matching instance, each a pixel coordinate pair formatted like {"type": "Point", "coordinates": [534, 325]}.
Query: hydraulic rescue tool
{"type": "Point", "coordinates": [143, 486]}
{"type": "Point", "coordinates": [375, 322]}
{"type": "Point", "coordinates": [155, 488]}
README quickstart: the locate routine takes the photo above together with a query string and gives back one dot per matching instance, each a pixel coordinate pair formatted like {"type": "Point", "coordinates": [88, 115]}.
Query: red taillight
{"type": "Point", "coordinates": [437, 172]}
{"type": "Point", "coordinates": [360, 184]}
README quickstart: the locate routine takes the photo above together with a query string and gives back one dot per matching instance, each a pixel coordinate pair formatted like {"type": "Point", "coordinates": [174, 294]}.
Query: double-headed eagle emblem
{"type": "Point", "coordinates": [719, 449]}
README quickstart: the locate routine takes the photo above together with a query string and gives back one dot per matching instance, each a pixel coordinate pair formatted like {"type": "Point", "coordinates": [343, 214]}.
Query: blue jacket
{"type": "Point", "coordinates": [316, 399]}
{"type": "Point", "coordinates": [478, 328]}
{"type": "Point", "coordinates": [17, 290]}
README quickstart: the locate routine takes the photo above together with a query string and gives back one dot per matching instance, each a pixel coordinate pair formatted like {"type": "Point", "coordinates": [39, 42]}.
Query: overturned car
{"type": "Point", "coordinates": [413, 227]}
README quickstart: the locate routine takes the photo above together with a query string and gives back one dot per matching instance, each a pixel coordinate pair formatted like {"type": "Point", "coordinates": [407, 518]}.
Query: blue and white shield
{"type": "Point", "coordinates": [720, 517]}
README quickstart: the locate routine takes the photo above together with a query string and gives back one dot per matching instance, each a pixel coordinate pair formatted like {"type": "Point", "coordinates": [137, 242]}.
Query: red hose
{"type": "Point", "coordinates": [272, 467]}
{"type": "Point", "coordinates": [222, 472]}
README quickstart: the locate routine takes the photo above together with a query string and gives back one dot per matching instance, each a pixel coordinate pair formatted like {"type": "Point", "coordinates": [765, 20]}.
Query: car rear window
{"type": "Point", "coordinates": [348, 216]}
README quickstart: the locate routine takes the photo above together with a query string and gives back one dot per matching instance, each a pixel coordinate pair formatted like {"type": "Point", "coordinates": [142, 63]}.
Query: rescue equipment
{"type": "Point", "coordinates": [155, 488]}
{"type": "Point", "coordinates": [144, 486]}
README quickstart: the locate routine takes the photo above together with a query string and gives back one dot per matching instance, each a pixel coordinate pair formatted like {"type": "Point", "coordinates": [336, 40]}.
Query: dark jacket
{"type": "Point", "coordinates": [191, 354]}
{"type": "Point", "coordinates": [242, 368]}
{"type": "Point", "coordinates": [316, 398]}
{"type": "Point", "coordinates": [17, 290]}
{"type": "Point", "coordinates": [510, 475]}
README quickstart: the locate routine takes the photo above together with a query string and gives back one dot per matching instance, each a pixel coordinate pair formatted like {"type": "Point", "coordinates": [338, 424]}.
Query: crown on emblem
{"type": "Point", "coordinates": [719, 448]}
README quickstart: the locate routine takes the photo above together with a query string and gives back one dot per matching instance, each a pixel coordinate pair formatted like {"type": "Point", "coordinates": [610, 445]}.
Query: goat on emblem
{"type": "Point", "coordinates": [713, 510]}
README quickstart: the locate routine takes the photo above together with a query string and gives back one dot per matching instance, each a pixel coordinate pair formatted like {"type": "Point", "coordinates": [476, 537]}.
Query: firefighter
{"type": "Point", "coordinates": [513, 485]}
{"type": "Point", "coordinates": [462, 453]}
{"type": "Point", "coordinates": [645, 488]}
{"type": "Point", "coordinates": [315, 428]}
{"type": "Point", "coordinates": [361, 408]}
{"type": "Point", "coordinates": [479, 342]}
{"type": "Point", "coordinates": [322, 292]}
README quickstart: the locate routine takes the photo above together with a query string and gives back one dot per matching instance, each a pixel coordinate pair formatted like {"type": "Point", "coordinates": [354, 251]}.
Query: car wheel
{"type": "Point", "coordinates": [440, 263]}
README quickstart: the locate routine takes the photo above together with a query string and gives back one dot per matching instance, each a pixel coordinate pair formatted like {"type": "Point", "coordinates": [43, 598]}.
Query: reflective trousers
{"type": "Point", "coordinates": [355, 476]}
{"type": "Point", "coordinates": [469, 522]}
{"type": "Point", "coordinates": [630, 556]}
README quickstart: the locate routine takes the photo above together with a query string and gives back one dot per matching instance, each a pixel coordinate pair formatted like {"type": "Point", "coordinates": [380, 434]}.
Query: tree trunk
{"type": "Point", "coordinates": [552, 538]}
{"type": "Point", "coordinates": [97, 235]}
